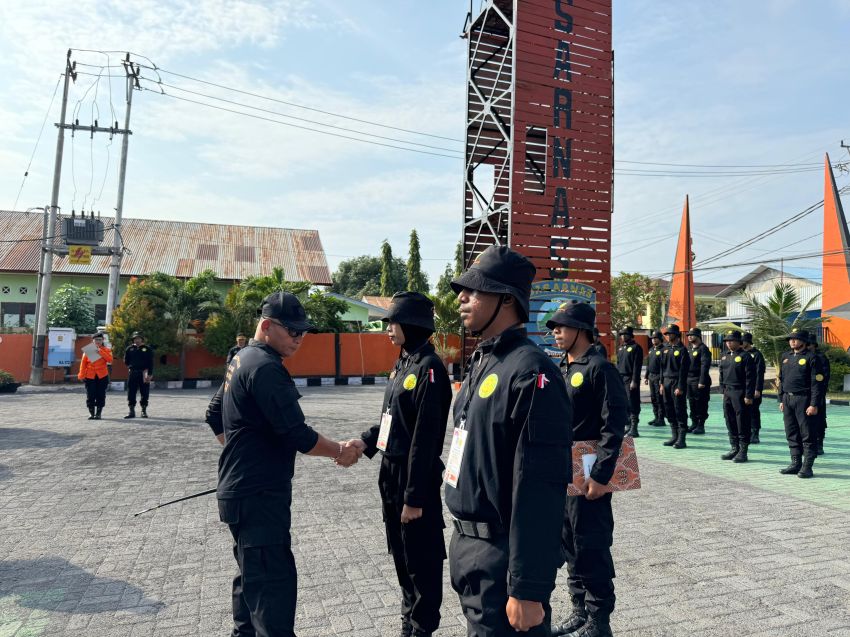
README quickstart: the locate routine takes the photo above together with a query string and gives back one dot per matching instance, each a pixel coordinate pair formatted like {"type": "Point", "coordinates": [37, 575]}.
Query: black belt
{"type": "Point", "coordinates": [791, 393]}
{"type": "Point", "coordinates": [482, 530]}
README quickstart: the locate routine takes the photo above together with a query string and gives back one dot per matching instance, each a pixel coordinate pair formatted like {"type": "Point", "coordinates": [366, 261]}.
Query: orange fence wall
{"type": "Point", "coordinates": [367, 354]}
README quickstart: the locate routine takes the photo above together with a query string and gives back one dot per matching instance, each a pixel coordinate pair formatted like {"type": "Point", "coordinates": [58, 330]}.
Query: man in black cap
{"type": "Point", "coordinates": [738, 381]}
{"type": "Point", "coordinates": [410, 435]}
{"type": "Point", "coordinates": [241, 341]}
{"type": "Point", "coordinates": [675, 364]}
{"type": "Point", "coordinates": [629, 364]}
{"type": "Point", "coordinates": [699, 381]}
{"type": "Point", "coordinates": [138, 358]}
{"type": "Point", "coordinates": [256, 416]}
{"type": "Point", "coordinates": [652, 378]}
{"type": "Point", "coordinates": [597, 347]}
{"type": "Point", "coordinates": [801, 390]}
{"type": "Point", "coordinates": [825, 373]}
{"type": "Point", "coordinates": [600, 412]}
{"type": "Point", "coordinates": [510, 461]}
{"type": "Point", "coordinates": [761, 368]}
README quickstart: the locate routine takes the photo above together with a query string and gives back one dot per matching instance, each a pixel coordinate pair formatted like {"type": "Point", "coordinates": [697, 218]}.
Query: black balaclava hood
{"type": "Point", "coordinates": [414, 337]}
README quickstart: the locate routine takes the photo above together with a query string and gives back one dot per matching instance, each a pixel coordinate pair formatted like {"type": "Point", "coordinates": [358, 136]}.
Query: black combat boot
{"type": "Point", "coordinates": [806, 469]}
{"type": "Point", "coordinates": [144, 412]}
{"type": "Point", "coordinates": [741, 456]}
{"type": "Point", "coordinates": [634, 430]}
{"type": "Point", "coordinates": [733, 449]}
{"type": "Point", "coordinates": [576, 620]}
{"type": "Point", "coordinates": [819, 447]}
{"type": "Point", "coordinates": [132, 413]}
{"type": "Point", "coordinates": [792, 468]}
{"type": "Point", "coordinates": [680, 439]}
{"type": "Point", "coordinates": [674, 436]}
{"type": "Point", "coordinates": [406, 628]}
{"type": "Point", "coordinates": [596, 626]}
{"type": "Point", "coordinates": [91, 413]}
{"type": "Point", "coordinates": [420, 633]}
{"type": "Point", "coordinates": [699, 428]}
{"type": "Point", "coordinates": [97, 413]}
{"type": "Point", "coordinates": [754, 438]}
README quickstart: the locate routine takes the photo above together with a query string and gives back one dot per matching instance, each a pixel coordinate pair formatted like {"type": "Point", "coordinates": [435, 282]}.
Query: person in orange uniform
{"type": "Point", "coordinates": [95, 374]}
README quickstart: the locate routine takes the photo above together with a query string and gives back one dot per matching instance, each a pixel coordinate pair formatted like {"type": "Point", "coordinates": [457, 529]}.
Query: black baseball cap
{"type": "Point", "coordinates": [500, 270]}
{"type": "Point", "coordinates": [802, 335]}
{"type": "Point", "coordinates": [695, 331]}
{"type": "Point", "coordinates": [573, 314]}
{"type": "Point", "coordinates": [657, 334]}
{"type": "Point", "coordinates": [287, 309]}
{"type": "Point", "coordinates": [627, 331]}
{"type": "Point", "coordinates": [412, 308]}
{"type": "Point", "coordinates": [137, 335]}
{"type": "Point", "coordinates": [673, 329]}
{"type": "Point", "coordinates": [733, 335]}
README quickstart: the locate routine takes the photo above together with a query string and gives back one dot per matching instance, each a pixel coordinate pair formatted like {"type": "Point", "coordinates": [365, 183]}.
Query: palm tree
{"type": "Point", "coordinates": [446, 322]}
{"type": "Point", "coordinates": [770, 319]}
{"type": "Point", "coordinates": [183, 303]}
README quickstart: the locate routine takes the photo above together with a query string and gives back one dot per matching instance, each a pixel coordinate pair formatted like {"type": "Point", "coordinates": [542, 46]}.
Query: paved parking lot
{"type": "Point", "coordinates": [704, 549]}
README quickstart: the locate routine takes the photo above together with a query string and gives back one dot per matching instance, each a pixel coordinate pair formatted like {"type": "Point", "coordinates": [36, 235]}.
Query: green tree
{"type": "Point", "coordinates": [774, 318]}
{"type": "Point", "coordinates": [136, 314]}
{"type": "Point", "coordinates": [446, 322]}
{"type": "Point", "coordinates": [444, 283]}
{"type": "Point", "coordinates": [391, 282]}
{"type": "Point", "coordinates": [707, 310]}
{"type": "Point", "coordinates": [71, 306]}
{"type": "Point", "coordinates": [417, 281]}
{"type": "Point", "coordinates": [184, 304]}
{"type": "Point", "coordinates": [239, 311]}
{"type": "Point", "coordinates": [459, 259]}
{"type": "Point", "coordinates": [631, 294]}
{"type": "Point", "coordinates": [361, 276]}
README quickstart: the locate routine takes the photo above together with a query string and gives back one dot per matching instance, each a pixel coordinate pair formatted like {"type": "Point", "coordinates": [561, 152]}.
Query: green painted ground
{"type": "Point", "coordinates": [830, 487]}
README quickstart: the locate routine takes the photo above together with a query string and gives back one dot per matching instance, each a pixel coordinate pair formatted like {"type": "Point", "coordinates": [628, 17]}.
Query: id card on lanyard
{"type": "Point", "coordinates": [384, 432]}
{"type": "Point", "coordinates": [455, 459]}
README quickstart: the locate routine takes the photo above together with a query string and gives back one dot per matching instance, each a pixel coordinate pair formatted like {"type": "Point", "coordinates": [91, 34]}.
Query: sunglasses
{"type": "Point", "coordinates": [293, 333]}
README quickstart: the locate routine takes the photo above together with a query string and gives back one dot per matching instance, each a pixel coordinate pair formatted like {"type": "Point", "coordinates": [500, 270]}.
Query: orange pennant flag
{"type": "Point", "coordinates": [836, 263]}
{"type": "Point", "coordinates": [681, 308]}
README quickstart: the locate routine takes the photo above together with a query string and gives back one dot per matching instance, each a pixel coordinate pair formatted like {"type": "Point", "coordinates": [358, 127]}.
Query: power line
{"type": "Point", "coordinates": [38, 139]}
{"type": "Point", "coordinates": [655, 163]}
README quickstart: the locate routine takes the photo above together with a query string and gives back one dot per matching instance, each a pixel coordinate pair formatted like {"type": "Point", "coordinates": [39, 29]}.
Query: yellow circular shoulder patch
{"type": "Point", "coordinates": [144, 349]}
{"type": "Point", "coordinates": [488, 386]}
{"type": "Point", "coordinates": [628, 349]}
{"type": "Point", "coordinates": [655, 352]}
{"type": "Point", "coordinates": [819, 378]}
{"type": "Point", "coordinates": [802, 361]}
{"type": "Point", "coordinates": [738, 359]}
{"type": "Point", "coordinates": [577, 379]}
{"type": "Point", "coordinates": [409, 381]}
{"type": "Point", "coordinates": [676, 352]}
{"type": "Point", "coordinates": [696, 352]}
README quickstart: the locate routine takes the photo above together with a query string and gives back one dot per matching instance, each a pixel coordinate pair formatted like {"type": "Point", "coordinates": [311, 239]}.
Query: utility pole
{"type": "Point", "coordinates": [46, 270]}
{"type": "Point", "coordinates": [132, 71]}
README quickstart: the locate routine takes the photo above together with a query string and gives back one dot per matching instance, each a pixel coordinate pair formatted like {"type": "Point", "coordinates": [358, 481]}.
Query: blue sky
{"type": "Point", "coordinates": [717, 83]}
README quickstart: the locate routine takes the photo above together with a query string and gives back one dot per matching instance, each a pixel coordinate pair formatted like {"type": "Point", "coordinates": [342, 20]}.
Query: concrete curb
{"type": "Point", "coordinates": [120, 385]}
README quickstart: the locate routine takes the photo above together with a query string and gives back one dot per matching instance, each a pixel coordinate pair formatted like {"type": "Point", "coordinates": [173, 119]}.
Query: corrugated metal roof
{"type": "Point", "coordinates": [382, 302]}
{"type": "Point", "coordinates": [178, 248]}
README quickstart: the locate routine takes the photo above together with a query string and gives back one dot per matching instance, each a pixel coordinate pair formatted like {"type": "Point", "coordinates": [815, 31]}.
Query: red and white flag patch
{"type": "Point", "coordinates": [431, 374]}
{"type": "Point", "coordinates": [542, 381]}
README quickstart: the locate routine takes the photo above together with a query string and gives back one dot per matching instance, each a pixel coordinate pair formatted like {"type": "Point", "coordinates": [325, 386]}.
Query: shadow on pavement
{"type": "Point", "coordinates": [5, 472]}
{"type": "Point", "coordinates": [24, 438]}
{"type": "Point", "coordinates": [54, 584]}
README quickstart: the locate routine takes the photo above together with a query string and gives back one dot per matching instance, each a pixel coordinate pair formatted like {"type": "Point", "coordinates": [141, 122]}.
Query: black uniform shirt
{"type": "Point", "coordinates": [599, 402]}
{"type": "Point", "coordinates": [139, 358]}
{"type": "Point", "coordinates": [257, 409]}
{"type": "Point", "coordinates": [233, 352]}
{"type": "Point", "coordinates": [801, 374]}
{"type": "Point", "coordinates": [738, 371]}
{"type": "Point", "coordinates": [761, 367]}
{"type": "Point", "coordinates": [418, 395]}
{"type": "Point", "coordinates": [825, 368]}
{"type": "Point", "coordinates": [700, 365]}
{"type": "Point", "coordinates": [675, 364]}
{"type": "Point", "coordinates": [517, 459]}
{"type": "Point", "coordinates": [630, 361]}
{"type": "Point", "coordinates": [653, 360]}
{"type": "Point", "coordinates": [599, 348]}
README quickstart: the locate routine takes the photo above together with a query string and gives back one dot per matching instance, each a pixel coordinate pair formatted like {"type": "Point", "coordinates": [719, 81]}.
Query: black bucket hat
{"type": "Point", "coordinates": [748, 338]}
{"type": "Point", "coordinates": [733, 335]}
{"type": "Point", "coordinates": [137, 335]}
{"type": "Point", "coordinates": [287, 309]}
{"type": "Point", "coordinates": [803, 335]}
{"type": "Point", "coordinates": [627, 331]}
{"type": "Point", "coordinates": [500, 270]}
{"type": "Point", "coordinates": [412, 308]}
{"type": "Point", "coordinates": [573, 314]}
{"type": "Point", "coordinates": [673, 329]}
{"type": "Point", "coordinates": [695, 331]}
{"type": "Point", "coordinates": [657, 334]}
{"type": "Point", "coordinates": [97, 335]}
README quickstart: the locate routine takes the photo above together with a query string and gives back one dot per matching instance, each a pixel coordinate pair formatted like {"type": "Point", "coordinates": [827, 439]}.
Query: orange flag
{"type": "Point", "coordinates": [681, 308]}
{"type": "Point", "coordinates": [836, 263]}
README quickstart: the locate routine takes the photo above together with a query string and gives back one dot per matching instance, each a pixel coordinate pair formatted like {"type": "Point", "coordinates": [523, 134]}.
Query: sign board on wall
{"type": "Point", "coordinates": [546, 297]}
{"type": "Point", "coordinates": [60, 346]}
